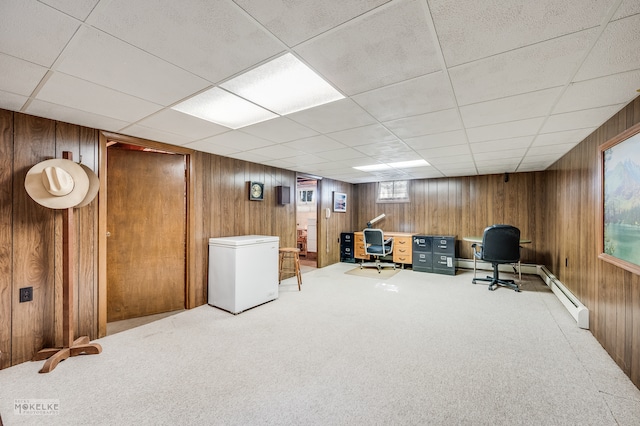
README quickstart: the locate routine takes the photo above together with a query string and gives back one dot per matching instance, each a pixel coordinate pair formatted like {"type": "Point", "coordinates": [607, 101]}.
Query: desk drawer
{"type": "Point", "coordinates": [402, 254]}
{"type": "Point", "coordinates": [358, 246]}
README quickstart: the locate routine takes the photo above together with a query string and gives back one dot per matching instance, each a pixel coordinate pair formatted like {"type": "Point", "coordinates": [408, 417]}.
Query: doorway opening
{"type": "Point", "coordinates": [306, 220]}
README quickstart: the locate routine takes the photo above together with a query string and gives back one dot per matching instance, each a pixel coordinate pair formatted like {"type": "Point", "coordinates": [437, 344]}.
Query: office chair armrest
{"type": "Point", "coordinates": [388, 240]}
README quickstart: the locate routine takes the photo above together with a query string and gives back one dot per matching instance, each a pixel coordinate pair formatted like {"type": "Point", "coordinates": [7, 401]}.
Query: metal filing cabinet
{"type": "Point", "coordinates": [346, 247]}
{"type": "Point", "coordinates": [422, 253]}
{"type": "Point", "coordinates": [444, 255]}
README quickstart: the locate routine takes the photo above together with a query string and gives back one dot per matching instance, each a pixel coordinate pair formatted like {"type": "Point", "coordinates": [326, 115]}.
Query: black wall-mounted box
{"type": "Point", "coordinates": [283, 193]}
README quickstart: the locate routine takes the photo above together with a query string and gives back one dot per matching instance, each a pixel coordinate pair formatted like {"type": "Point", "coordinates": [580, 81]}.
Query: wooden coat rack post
{"type": "Point", "coordinates": [70, 347]}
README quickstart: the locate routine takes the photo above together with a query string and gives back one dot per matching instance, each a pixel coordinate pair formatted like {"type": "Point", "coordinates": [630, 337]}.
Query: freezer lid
{"type": "Point", "coordinates": [243, 240]}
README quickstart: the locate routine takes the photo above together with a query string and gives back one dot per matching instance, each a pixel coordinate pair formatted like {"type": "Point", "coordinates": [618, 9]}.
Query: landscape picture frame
{"type": "Point", "coordinates": [619, 207]}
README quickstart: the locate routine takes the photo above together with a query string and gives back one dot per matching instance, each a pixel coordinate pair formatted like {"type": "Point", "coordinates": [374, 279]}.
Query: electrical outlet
{"type": "Point", "coordinates": [26, 294]}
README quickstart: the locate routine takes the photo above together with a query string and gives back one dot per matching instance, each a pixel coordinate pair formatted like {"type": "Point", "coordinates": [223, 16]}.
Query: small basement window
{"type": "Point", "coordinates": [396, 191]}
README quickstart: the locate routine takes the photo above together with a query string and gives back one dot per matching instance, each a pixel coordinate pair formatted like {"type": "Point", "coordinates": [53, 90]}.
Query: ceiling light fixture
{"type": "Point", "coordinates": [398, 165]}
{"type": "Point", "coordinates": [283, 85]}
{"type": "Point", "coordinates": [279, 87]}
{"type": "Point", "coordinates": [224, 108]}
{"type": "Point", "coordinates": [373, 167]}
{"type": "Point", "coordinates": [409, 164]}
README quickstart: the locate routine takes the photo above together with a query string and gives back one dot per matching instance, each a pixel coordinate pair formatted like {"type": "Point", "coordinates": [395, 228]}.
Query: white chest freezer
{"type": "Point", "coordinates": [243, 271]}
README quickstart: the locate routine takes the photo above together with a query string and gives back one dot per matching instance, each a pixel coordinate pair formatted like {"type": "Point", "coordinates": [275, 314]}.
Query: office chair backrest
{"type": "Point", "coordinates": [374, 242]}
{"type": "Point", "coordinates": [373, 236]}
{"type": "Point", "coordinates": [501, 244]}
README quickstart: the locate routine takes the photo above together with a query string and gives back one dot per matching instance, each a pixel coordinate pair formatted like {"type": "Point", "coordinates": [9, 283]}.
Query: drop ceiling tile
{"type": "Point", "coordinates": [536, 67]}
{"type": "Point", "coordinates": [568, 136]}
{"type": "Point", "coordinates": [192, 35]}
{"type": "Point", "coordinates": [469, 30]}
{"type": "Point", "coordinates": [456, 137]}
{"type": "Point", "coordinates": [279, 130]}
{"type": "Point", "coordinates": [505, 130]}
{"type": "Point", "coordinates": [387, 148]}
{"type": "Point", "coordinates": [102, 59]}
{"type": "Point", "coordinates": [558, 149]}
{"type": "Point", "coordinates": [314, 144]}
{"type": "Point", "coordinates": [11, 101]}
{"type": "Point", "coordinates": [424, 173]}
{"type": "Point", "coordinates": [75, 8]}
{"type": "Point", "coordinates": [430, 154]}
{"type": "Point", "coordinates": [425, 124]}
{"type": "Point", "coordinates": [277, 152]}
{"type": "Point", "coordinates": [75, 93]}
{"type": "Point", "coordinates": [211, 148]}
{"type": "Point", "coordinates": [156, 135]}
{"type": "Point", "coordinates": [283, 164]}
{"type": "Point", "coordinates": [340, 154]}
{"type": "Point", "coordinates": [627, 8]}
{"type": "Point", "coordinates": [364, 135]}
{"type": "Point", "coordinates": [329, 166]}
{"type": "Point", "coordinates": [511, 143]}
{"type": "Point", "coordinates": [238, 141]}
{"type": "Point", "coordinates": [450, 161]}
{"type": "Point", "coordinates": [497, 132]}
{"type": "Point", "coordinates": [333, 117]}
{"type": "Point", "coordinates": [427, 93]}
{"type": "Point", "coordinates": [18, 76]}
{"type": "Point", "coordinates": [249, 156]}
{"type": "Point", "coordinates": [74, 116]}
{"type": "Point", "coordinates": [33, 31]}
{"type": "Point", "coordinates": [305, 159]}
{"type": "Point", "coordinates": [604, 91]}
{"type": "Point", "coordinates": [616, 50]}
{"type": "Point", "coordinates": [390, 44]}
{"type": "Point", "coordinates": [295, 22]}
{"type": "Point", "coordinates": [587, 118]}
{"type": "Point", "coordinates": [170, 120]}
{"type": "Point", "coordinates": [500, 156]}
{"type": "Point", "coordinates": [517, 107]}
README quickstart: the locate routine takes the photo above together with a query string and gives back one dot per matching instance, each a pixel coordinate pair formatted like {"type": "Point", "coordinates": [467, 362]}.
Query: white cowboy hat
{"type": "Point", "coordinates": [94, 186]}
{"type": "Point", "coordinates": [57, 183]}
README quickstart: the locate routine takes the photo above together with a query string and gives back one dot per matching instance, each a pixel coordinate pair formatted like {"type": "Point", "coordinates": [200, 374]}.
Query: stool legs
{"type": "Point", "coordinates": [296, 264]}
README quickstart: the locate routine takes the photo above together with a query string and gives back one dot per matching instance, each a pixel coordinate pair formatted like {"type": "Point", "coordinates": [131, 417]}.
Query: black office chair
{"type": "Point", "coordinates": [500, 245]}
{"type": "Point", "coordinates": [375, 245]}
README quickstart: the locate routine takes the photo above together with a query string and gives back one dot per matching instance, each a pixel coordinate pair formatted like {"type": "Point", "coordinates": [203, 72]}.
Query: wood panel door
{"type": "Point", "coordinates": [146, 228]}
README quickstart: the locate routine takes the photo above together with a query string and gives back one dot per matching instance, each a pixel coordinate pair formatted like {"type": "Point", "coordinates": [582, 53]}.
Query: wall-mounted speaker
{"type": "Point", "coordinates": [283, 193]}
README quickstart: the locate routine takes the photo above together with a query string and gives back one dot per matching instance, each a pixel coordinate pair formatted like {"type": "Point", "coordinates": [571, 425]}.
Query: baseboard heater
{"type": "Point", "coordinates": [577, 310]}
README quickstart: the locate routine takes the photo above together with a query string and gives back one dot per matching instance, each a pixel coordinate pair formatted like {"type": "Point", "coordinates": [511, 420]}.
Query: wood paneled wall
{"type": "Point", "coordinates": [556, 209]}
{"type": "Point", "coordinates": [612, 294]}
{"type": "Point", "coordinates": [31, 239]}
{"type": "Point", "coordinates": [463, 206]}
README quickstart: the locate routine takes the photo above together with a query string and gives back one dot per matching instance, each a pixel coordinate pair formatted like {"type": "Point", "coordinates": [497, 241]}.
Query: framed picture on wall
{"type": "Point", "coordinates": [619, 224]}
{"type": "Point", "coordinates": [339, 202]}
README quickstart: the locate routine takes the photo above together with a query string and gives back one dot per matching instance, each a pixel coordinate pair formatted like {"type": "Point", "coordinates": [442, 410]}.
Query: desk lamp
{"type": "Point", "coordinates": [375, 219]}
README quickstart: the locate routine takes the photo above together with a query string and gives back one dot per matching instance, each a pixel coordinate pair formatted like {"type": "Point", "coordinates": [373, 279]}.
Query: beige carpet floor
{"type": "Point", "coordinates": [414, 349]}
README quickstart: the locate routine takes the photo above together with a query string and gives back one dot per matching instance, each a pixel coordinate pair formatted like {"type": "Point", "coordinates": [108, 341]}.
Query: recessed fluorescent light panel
{"type": "Point", "coordinates": [409, 164]}
{"type": "Point", "coordinates": [224, 108]}
{"type": "Point", "coordinates": [373, 167]}
{"type": "Point", "coordinates": [284, 85]}
{"type": "Point", "coordinates": [399, 165]}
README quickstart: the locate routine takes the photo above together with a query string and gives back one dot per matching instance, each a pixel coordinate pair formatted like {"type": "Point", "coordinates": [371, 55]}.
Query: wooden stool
{"type": "Point", "coordinates": [285, 252]}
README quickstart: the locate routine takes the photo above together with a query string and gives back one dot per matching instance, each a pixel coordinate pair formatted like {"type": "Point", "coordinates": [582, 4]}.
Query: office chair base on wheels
{"type": "Point", "coordinates": [378, 264]}
{"type": "Point", "coordinates": [495, 281]}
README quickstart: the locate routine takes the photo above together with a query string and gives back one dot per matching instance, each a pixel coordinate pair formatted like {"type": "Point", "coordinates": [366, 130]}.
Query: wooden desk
{"type": "Point", "coordinates": [402, 246]}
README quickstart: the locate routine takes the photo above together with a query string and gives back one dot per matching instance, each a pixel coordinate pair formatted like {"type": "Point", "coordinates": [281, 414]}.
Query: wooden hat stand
{"type": "Point", "coordinates": [70, 346]}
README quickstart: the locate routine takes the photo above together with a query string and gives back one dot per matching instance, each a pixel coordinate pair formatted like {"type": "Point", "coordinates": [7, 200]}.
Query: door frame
{"type": "Point", "coordinates": [190, 296]}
